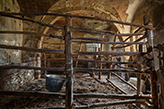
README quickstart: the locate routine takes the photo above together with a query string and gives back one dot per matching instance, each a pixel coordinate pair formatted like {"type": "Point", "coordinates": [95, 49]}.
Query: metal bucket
{"type": "Point", "coordinates": [54, 83]}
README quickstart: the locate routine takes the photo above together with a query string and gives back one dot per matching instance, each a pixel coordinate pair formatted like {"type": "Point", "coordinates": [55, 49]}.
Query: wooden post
{"type": "Point", "coordinates": [68, 64]}
{"type": "Point", "coordinates": [154, 89]}
{"type": "Point", "coordinates": [139, 75]}
{"type": "Point", "coordinates": [78, 56]}
{"type": "Point", "coordinates": [101, 60]}
{"type": "Point", "coordinates": [45, 62]}
{"type": "Point", "coordinates": [153, 74]}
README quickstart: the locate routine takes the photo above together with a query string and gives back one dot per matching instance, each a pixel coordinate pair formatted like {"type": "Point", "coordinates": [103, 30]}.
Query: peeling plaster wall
{"type": "Point", "coordinates": [10, 56]}
{"type": "Point", "coordinates": [12, 79]}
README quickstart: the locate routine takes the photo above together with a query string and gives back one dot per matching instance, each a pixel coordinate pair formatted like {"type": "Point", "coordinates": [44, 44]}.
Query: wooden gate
{"type": "Point", "coordinates": [68, 28]}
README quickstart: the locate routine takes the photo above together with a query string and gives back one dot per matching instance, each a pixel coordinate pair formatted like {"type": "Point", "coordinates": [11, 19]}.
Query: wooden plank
{"type": "Point", "coordinates": [29, 20]}
{"type": "Point", "coordinates": [35, 68]}
{"type": "Point", "coordinates": [31, 49]}
{"type": "Point", "coordinates": [68, 64]}
{"type": "Point", "coordinates": [94, 105]}
{"type": "Point", "coordinates": [141, 38]}
{"type": "Point", "coordinates": [78, 56]}
{"type": "Point", "coordinates": [33, 93]}
{"type": "Point", "coordinates": [107, 53]}
{"type": "Point", "coordinates": [32, 33]}
{"type": "Point", "coordinates": [139, 75]}
{"type": "Point", "coordinates": [75, 41]}
{"type": "Point", "coordinates": [101, 59]}
{"type": "Point", "coordinates": [122, 91]}
{"type": "Point", "coordinates": [108, 70]}
{"type": "Point", "coordinates": [131, 85]}
{"type": "Point", "coordinates": [113, 96]}
{"type": "Point", "coordinates": [154, 89]}
{"type": "Point", "coordinates": [55, 59]}
{"type": "Point", "coordinates": [101, 32]}
{"type": "Point", "coordinates": [136, 31]}
{"type": "Point", "coordinates": [77, 16]}
{"type": "Point", "coordinates": [93, 39]}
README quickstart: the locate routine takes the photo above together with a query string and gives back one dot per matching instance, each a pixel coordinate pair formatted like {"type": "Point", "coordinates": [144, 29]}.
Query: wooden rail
{"type": "Point", "coordinates": [31, 49]}
{"type": "Point", "coordinates": [32, 33]}
{"type": "Point", "coordinates": [107, 53]}
{"type": "Point", "coordinates": [96, 61]}
{"type": "Point", "coordinates": [107, 42]}
{"type": "Point", "coordinates": [77, 16]}
{"type": "Point", "coordinates": [68, 69]}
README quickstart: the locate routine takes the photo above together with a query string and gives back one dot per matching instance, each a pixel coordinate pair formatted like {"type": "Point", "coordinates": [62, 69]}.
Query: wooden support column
{"type": "Point", "coordinates": [45, 62]}
{"type": "Point", "coordinates": [154, 89]}
{"type": "Point", "coordinates": [139, 75]}
{"type": "Point", "coordinates": [101, 60]}
{"type": "Point", "coordinates": [68, 63]}
{"type": "Point", "coordinates": [153, 74]}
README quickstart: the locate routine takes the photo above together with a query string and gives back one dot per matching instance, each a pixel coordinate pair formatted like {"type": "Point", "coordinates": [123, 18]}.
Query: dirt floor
{"type": "Point", "coordinates": [82, 84]}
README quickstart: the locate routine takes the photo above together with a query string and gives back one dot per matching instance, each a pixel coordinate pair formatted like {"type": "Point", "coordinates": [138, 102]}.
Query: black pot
{"type": "Point", "coordinates": [54, 83]}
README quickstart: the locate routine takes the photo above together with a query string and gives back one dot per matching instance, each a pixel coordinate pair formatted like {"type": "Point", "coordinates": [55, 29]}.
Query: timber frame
{"type": "Point", "coordinates": [69, 96]}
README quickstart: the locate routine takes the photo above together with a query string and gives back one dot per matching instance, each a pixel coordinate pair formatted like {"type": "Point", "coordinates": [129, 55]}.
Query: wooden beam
{"type": "Point", "coordinates": [96, 61]}
{"type": "Point", "coordinates": [77, 16]}
{"type": "Point", "coordinates": [55, 59]}
{"type": "Point", "coordinates": [141, 38]}
{"type": "Point", "coordinates": [76, 95]}
{"type": "Point", "coordinates": [122, 91]}
{"type": "Point", "coordinates": [107, 53]}
{"type": "Point", "coordinates": [33, 93]}
{"type": "Point", "coordinates": [68, 64]}
{"type": "Point", "coordinates": [101, 32]}
{"type": "Point", "coordinates": [32, 33]}
{"type": "Point", "coordinates": [154, 89]}
{"type": "Point", "coordinates": [35, 68]}
{"type": "Point", "coordinates": [113, 96]}
{"type": "Point", "coordinates": [94, 105]}
{"type": "Point", "coordinates": [93, 39]}
{"type": "Point", "coordinates": [108, 70]}
{"type": "Point", "coordinates": [101, 59]}
{"type": "Point", "coordinates": [31, 49]}
{"type": "Point", "coordinates": [131, 85]}
{"type": "Point", "coordinates": [25, 19]}
{"type": "Point", "coordinates": [107, 42]}
{"type": "Point", "coordinates": [137, 31]}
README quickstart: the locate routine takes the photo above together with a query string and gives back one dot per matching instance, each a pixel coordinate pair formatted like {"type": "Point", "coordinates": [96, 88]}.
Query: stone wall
{"type": "Point", "coordinates": [12, 79]}
{"type": "Point", "coordinates": [9, 24]}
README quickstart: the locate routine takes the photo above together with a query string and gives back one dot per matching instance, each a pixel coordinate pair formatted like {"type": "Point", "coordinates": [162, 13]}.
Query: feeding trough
{"type": "Point", "coordinates": [54, 83]}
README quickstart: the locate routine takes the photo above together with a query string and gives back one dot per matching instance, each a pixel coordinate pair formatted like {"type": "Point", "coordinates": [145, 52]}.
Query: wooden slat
{"type": "Point", "coordinates": [113, 96]}
{"type": "Point", "coordinates": [131, 85]}
{"type": "Point", "coordinates": [108, 70]}
{"type": "Point", "coordinates": [33, 93]}
{"type": "Point", "coordinates": [122, 91]}
{"type": "Point", "coordinates": [137, 31]}
{"type": "Point", "coordinates": [93, 39]}
{"type": "Point", "coordinates": [107, 53]}
{"type": "Point", "coordinates": [25, 19]}
{"type": "Point", "coordinates": [31, 49]}
{"type": "Point", "coordinates": [101, 32]}
{"type": "Point", "coordinates": [141, 38]}
{"type": "Point", "coordinates": [32, 33]}
{"type": "Point", "coordinates": [75, 41]}
{"type": "Point", "coordinates": [96, 61]}
{"type": "Point", "coordinates": [76, 95]}
{"type": "Point", "coordinates": [68, 64]}
{"type": "Point", "coordinates": [35, 68]}
{"type": "Point", "coordinates": [94, 105]}
{"type": "Point", "coordinates": [77, 16]}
